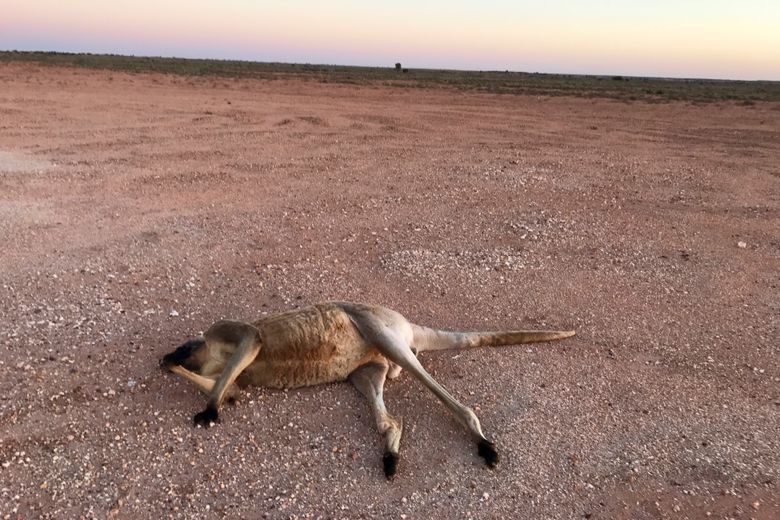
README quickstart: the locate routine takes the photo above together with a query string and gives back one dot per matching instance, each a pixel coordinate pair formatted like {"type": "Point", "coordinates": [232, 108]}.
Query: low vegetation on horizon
{"type": "Point", "coordinates": [523, 83]}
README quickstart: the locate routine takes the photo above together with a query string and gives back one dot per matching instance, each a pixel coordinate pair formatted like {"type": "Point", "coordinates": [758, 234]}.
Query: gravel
{"type": "Point", "coordinates": [136, 209]}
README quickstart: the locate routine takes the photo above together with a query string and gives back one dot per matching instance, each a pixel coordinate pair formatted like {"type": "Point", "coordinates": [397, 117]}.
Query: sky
{"type": "Point", "coordinates": [727, 39]}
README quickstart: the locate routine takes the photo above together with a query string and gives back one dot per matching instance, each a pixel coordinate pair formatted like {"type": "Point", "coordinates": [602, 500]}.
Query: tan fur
{"type": "Point", "coordinates": [310, 346]}
{"type": "Point", "coordinates": [331, 342]}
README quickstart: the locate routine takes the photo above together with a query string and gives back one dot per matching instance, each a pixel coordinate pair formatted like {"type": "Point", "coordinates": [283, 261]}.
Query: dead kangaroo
{"type": "Point", "coordinates": [330, 342]}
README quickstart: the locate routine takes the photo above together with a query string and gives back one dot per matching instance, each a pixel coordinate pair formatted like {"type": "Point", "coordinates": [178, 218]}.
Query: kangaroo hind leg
{"type": "Point", "coordinates": [393, 346]}
{"type": "Point", "coordinates": [369, 379]}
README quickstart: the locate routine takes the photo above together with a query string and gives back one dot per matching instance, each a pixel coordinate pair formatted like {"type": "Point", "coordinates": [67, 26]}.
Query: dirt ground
{"type": "Point", "coordinates": [137, 209]}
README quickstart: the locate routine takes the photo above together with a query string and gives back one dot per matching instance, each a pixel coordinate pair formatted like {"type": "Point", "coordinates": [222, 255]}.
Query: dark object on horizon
{"type": "Point", "coordinates": [406, 70]}
{"type": "Point", "coordinates": [397, 66]}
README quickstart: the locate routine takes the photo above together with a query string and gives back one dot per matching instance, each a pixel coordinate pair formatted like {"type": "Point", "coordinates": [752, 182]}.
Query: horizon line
{"type": "Point", "coordinates": [497, 71]}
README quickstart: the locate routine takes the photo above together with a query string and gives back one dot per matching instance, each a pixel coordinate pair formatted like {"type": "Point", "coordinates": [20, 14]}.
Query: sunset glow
{"type": "Point", "coordinates": [686, 38]}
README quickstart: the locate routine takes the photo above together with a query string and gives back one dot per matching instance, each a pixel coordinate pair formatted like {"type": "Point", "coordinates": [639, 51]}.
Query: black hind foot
{"type": "Point", "coordinates": [390, 461]}
{"type": "Point", "coordinates": [206, 418]}
{"type": "Point", "coordinates": [487, 451]}
{"type": "Point", "coordinates": [181, 354]}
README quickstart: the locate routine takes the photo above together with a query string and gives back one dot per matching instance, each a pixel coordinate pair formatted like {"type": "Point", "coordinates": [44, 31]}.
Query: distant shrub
{"type": "Point", "coordinates": [397, 66]}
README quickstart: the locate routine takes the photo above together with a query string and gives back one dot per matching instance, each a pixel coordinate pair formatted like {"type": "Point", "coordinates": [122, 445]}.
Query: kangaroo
{"type": "Point", "coordinates": [328, 342]}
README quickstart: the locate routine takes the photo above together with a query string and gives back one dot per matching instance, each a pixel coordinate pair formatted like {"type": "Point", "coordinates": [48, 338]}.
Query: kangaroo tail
{"type": "Point", "coordinates": [432, 339]}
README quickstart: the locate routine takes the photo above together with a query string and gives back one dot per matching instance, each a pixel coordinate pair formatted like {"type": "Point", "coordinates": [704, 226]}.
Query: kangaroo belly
{"type": "Point", "coordinates": [309, 346]}
{"type": "Point", "coordinates": [298, 373]}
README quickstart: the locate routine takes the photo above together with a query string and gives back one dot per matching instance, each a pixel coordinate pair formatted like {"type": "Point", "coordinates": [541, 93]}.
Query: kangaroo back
{"type": "Point", "coordinates": [432, 339]}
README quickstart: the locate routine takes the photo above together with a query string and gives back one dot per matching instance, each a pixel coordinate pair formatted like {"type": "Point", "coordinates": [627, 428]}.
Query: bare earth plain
{"type": "Point", "coordinates": [136, 209]}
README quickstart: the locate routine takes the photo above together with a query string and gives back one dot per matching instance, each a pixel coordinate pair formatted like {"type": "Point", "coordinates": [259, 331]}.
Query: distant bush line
{"type": "Point", "coordinates": [624, 88]}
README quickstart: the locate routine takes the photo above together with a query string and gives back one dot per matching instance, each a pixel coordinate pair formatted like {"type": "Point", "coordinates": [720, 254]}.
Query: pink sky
{"type": "Point", "coordinates": [693, 38]}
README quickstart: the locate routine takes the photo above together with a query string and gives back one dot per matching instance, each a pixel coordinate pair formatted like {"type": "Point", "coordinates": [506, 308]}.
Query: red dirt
{"type": "Point", "coordinates": [137, 209]}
